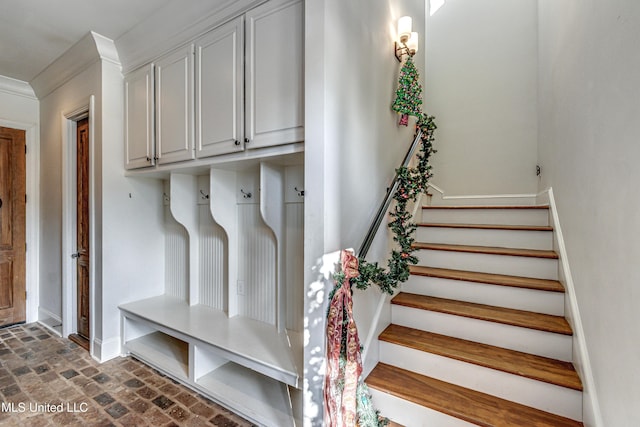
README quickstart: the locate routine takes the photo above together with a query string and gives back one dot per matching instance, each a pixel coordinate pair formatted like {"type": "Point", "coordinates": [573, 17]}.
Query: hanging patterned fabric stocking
{"type": "Point", "coordinates": [344, 364]}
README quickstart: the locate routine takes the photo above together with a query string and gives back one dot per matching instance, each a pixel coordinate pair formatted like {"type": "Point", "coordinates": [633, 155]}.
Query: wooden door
{"type": "Point", "coordinates": [82, 232]}
{"type": "Point", "coordinates": [12, 226]}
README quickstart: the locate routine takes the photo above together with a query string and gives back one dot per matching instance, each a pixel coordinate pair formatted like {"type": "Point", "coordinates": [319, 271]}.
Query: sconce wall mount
{"type": "Point", "coordinates": [407, 43]}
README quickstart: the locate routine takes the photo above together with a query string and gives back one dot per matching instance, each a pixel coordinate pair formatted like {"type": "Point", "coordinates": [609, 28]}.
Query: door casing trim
{"type": "Point", "coordinates": [69, 118]}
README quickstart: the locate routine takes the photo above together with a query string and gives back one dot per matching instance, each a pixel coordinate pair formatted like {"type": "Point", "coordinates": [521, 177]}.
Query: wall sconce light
{"type": "Point", "coordinates": [407, 43]}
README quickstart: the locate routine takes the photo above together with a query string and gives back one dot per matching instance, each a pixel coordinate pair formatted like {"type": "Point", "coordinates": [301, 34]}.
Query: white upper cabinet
{"type": "Point", "coordinates": [219, 90]}
{"type": "Point", "coordinates": [274, 74]}
{"type": "Point", "coordinates": [174, 106]}
{"type": "Point", "coordinates": [239, 86]}
{"type": "Point", "coordinates": [139, 119]}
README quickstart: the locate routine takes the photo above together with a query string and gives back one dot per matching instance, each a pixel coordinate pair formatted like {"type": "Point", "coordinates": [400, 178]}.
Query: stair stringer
{"type": "Point", "coordinates": [591, 413]}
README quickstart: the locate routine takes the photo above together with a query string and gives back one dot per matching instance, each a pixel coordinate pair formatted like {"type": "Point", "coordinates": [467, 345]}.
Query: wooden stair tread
{"type": "Point", "coordinates": [487, 226]}
{"type": "Point", "coordinates": [487, 207]}
{"type": "Point", "coordinates": [509, 316]}
{"type": "Point", "coordinates": [469, 405]}
{"type": "Point", "coordinates": [533, 253]}
{"type": "Point", "coordinates": [489, 278]}
{"type": "Point", "coordinates": [514, 362]}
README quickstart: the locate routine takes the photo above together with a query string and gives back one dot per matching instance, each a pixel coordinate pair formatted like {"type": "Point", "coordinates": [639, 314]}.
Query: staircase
{"type": "Point", "coordinates": [478, 334]}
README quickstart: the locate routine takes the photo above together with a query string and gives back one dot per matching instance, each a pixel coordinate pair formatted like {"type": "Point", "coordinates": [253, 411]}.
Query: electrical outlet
{"type": "Point", "coordinates": [240, 287]}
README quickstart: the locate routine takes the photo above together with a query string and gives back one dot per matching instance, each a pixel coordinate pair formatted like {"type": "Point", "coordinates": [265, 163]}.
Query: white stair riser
{"type": "Point", "coordinates": [481, 293]}
{"type": "Point", "coordinates": [411, 414]}
{"type": "Point", "coordinates": [526, 391]}
{"type": "Point", "coordinates": [541, 343]}
{"type": "Point", "coordinates": [522, 239]}
{"type": "Point", "coordinates": [487, 216]}
{"type": "Point", "coordinates": [541, 268]}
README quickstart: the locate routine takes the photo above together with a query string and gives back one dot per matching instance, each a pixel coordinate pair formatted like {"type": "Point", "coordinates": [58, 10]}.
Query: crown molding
{"type": "Point", "coordinates": [174, 25]}
{"type": "Point", "coordinates": [16, 87]}
{"type": "Point", "coordinates": [87, 51]}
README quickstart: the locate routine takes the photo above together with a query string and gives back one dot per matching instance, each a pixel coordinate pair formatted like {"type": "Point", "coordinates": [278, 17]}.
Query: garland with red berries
{"type": "Point", "coordinates": [347, 401]}
{"type": "Point", "coordinates": [412, 181]}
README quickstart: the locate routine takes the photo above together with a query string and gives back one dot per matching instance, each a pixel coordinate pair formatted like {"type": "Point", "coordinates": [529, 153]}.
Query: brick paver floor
{"type": "Point", "coordinates": [46, 380]}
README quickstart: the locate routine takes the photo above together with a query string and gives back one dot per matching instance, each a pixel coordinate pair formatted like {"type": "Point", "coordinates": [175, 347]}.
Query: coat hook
{"type": "Point", "coordinates": [203, 196]}
{"type": "Point", "coordinates": [300, 192]}
{"type": "Point", "coordinates": [245, 194]}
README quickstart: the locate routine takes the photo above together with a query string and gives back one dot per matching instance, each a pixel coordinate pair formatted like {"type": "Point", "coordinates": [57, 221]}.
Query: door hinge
{"type": "Point", "coordinates": [25, 295]}
{"type": "Point", "coordinates": [25, 149]}
{"type": "Point", "coordinates": [25, 198]}
{"type": "Point", "coordinates": [25, 247]}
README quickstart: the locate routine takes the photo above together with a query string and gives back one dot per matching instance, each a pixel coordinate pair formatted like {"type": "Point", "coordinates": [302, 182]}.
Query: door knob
{"type": "Point", "coordinates": [76, 255]}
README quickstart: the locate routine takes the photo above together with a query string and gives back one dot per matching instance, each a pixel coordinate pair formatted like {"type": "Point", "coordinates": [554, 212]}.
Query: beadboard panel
{"type": "Point", "coordinates": [294, 272]}
{"type": "Point", "coordinates": [256, 266]}
{"type": "Point", "coordinates": [213, 266]}
{"type": "Point", "coordinates": [176, 263]}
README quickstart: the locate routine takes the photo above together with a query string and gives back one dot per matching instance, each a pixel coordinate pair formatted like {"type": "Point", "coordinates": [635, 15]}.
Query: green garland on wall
{"type": "Point", "coordinates": [412, 181]}
{"type": "Point", "coordinates": [346, 395]}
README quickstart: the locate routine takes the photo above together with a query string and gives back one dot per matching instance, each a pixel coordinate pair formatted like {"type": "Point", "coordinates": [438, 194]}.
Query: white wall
{"type": "Point", "coordinates": [481, 84]}
{"type": "Point", "coordinates": [588, 150]}
{"type": "Point", "coordinates": [17, 102]}
{"type": "Point", "coordinates": [125, 253]}
{"type": "Point", "coordinates": [352, 146]}
{"type": "Point", "coordinates": [66, 99]}
{"type": "Point", "coordinates": [132, 249]}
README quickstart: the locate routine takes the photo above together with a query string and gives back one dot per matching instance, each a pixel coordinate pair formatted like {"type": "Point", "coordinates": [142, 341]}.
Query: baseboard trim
{"type": "Point", "coordinates": [438, 197]}
{"type": "Point", "coordinates": [103, 351]}
{"type": "Point", "coordinates": [592, 415]}
{"type": "Point", "coordinates": [50, 321]}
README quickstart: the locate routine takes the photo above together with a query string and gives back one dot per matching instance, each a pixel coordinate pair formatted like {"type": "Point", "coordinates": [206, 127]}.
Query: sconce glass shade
{"type": "Point", "coordinates": [412, 43]}
{"type": "Point", "coordinates": [404, 29]}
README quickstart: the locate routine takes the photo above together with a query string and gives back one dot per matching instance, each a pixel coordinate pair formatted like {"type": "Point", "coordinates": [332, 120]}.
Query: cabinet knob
{"type": "Point", "coordinates": [148, 159]}
{"type": "Point", "coordinates": [247, 140]}
{"type": "Point", "coordinates": [236, 142]}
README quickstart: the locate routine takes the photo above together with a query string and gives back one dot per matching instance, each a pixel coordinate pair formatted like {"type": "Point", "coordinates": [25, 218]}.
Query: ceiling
{"type": "Point", "coordinates": [33, 33]}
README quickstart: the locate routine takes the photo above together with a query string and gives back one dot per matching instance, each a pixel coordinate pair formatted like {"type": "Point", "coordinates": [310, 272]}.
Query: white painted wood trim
{"type": "Point", "coordinates": [87, 51]}
{"type": "Point", "coordinates": [16, 87]}
{"type": "Point", "coordinates": [49, 320]}
{"type": "Point", "coordinates": [69, 220]}
{"type": "Point", "coordinates": [222, 185]}
{"type": "Point", "coordinates": [383, 301]}
{"type": "Point", "coordinates": [272, 212]}
{"type": "Point", "coordinates": [153, 37]}
{"type": "Point", "coordinates": [105, 350]}
{"type": "Point", "coordinates": [245, 341]}
{"type": "Point", "coordinates": [481, 199]}
{"type": "Point", "coordinates": [201, 166]}
{"type": "Point", "coordinates": [581, 357]}
{"type": "Point", "coordinates": [411, 414]}
{"type": "Point", "coordinates": [183, 204]}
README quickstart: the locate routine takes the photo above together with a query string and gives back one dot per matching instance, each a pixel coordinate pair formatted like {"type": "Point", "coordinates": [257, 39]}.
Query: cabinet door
{"type": "Point", "coordinates": [139, 119]}
{"type": "Point", "coordinates": [174, 106]}
{"type": "Point", "coordinates": [219, 90]}
{"type": "Point", "coordinates": [274, 76]}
